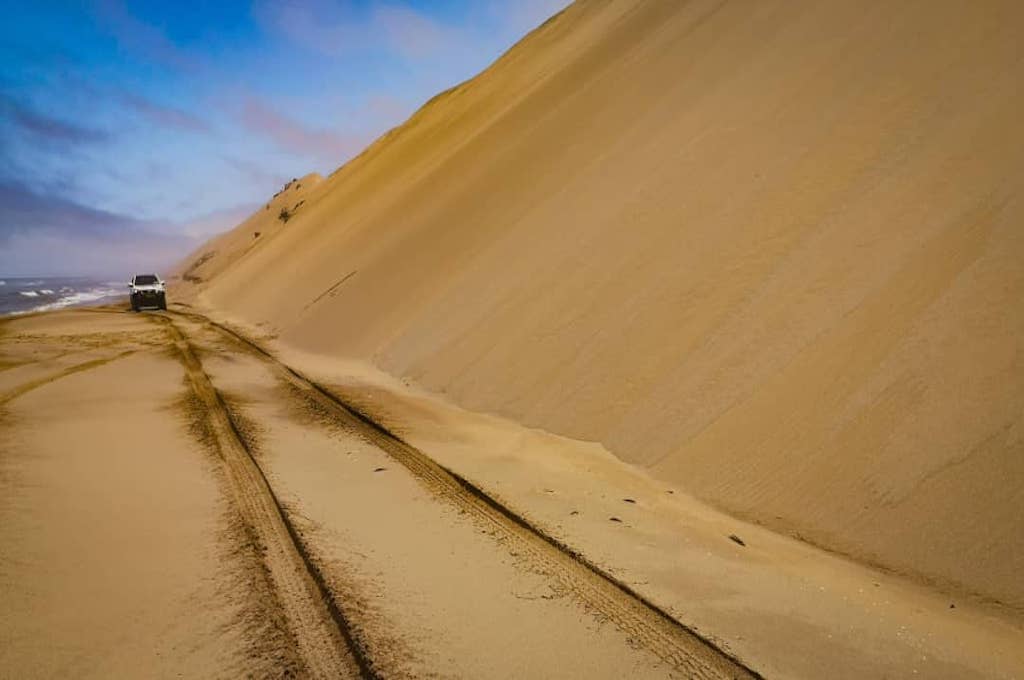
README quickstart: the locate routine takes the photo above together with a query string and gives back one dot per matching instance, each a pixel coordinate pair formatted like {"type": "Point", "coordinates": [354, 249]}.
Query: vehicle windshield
{"type": "Point", "coordinates": [145, 280]}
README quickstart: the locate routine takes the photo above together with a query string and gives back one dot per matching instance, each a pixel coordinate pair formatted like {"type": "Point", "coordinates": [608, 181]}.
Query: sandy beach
{"type": "Point", "coordinates": [232, 522]}
{"type": "Point", "coordinates": [178, 500]}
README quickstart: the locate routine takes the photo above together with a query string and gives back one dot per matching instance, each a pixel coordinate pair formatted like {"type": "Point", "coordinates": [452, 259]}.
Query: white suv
{"type": "Point", "coordinates": [147, 290]}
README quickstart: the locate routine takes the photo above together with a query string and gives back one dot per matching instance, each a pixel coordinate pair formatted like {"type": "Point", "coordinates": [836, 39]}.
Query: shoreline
{"type": "Point", "coordinates": [28, 295]}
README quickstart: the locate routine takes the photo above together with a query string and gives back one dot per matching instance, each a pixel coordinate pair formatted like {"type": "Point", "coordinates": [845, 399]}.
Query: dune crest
{"type": "Point", "coordinates": [769, 251]}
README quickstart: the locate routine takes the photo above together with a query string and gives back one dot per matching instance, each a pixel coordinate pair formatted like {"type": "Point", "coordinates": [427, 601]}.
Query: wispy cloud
{"type": "Point", "coordinates": [47, 127]}
{"type": "Point", "coordinates": [50, 233]}
{"type": "Point", "coordinates": [410, 33]}
{"type": "Point", "coordinates": [144, 39]}
{"type": "Point", "coordinates": [318, 26]}
{"type": "Point", "coordinates": [387, 109]}
{"type": "Point", "coordinates": [336, 29]}
{"type": "Point", "coordinates": [256, 173]}
{"type": "Point", "coordinates": [295, 136]}
{"type": "Point", "coordinates": [218, 221]}
{"type": "Point", "coordinates": [24, 210]}
{"type": "Point", "coordinates": [166, 116]}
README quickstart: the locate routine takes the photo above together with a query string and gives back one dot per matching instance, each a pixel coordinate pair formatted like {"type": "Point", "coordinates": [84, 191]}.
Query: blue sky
{"type": "Point", "coordinates": [130, 130]}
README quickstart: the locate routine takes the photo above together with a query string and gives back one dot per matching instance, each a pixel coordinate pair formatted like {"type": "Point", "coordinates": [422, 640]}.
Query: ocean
{"type": "Point", "coordinates": [24, 295]}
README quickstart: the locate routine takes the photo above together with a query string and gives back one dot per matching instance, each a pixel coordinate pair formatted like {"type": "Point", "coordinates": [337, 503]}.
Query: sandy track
{"type": "Point", "coordinates": [121, 552]}
{"type": "Point", "coordinates": [27, 387]}
{"type": "Point", "coordinates": [324, 644]}
{"type": "Point", "coordinates": [646, 625]}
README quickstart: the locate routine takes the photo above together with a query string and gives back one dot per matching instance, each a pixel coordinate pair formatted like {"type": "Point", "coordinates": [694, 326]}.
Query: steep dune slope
{"type": "Point", "coordinates": [220, 252]}
{"type": "Point", "coordinates": [771, 251]}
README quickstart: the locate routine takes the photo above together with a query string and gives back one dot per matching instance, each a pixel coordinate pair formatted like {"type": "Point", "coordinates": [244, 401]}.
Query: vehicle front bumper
{"type": "Point", "coordinates": [148, 298]}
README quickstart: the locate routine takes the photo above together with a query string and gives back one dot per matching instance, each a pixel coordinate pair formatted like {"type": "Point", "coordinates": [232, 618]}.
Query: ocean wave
{"type": "Point", "coordinates": [20, 297]}
{"type": "Point", "coordinates": [81, 297]}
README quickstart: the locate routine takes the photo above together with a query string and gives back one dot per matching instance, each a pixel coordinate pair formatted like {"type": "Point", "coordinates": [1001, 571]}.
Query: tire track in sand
{"type": "Point", "coordinates": [24, 388]}
{"type": "Point", "coordinates": [645, 624]}
{"type": "Point", "coordinates": [325, 645]}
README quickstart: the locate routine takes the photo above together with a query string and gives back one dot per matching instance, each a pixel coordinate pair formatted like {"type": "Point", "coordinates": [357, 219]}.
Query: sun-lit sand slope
{"type": "Point", "coordinates": [771, 251]}
{"type": "Point", "coordinates": [220, 251]}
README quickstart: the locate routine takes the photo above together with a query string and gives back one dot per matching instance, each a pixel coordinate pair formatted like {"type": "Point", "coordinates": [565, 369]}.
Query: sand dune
{"type": "Point", "coordinates": [209, 260]}
{"type": "Point", "coordinates": [770, 252]}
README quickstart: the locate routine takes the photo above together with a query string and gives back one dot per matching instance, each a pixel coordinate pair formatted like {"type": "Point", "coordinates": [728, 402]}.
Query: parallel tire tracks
{"type": "Point", "coordinates": [325, 645]}
{"type": "Point", "coordinates": [646, 625]}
